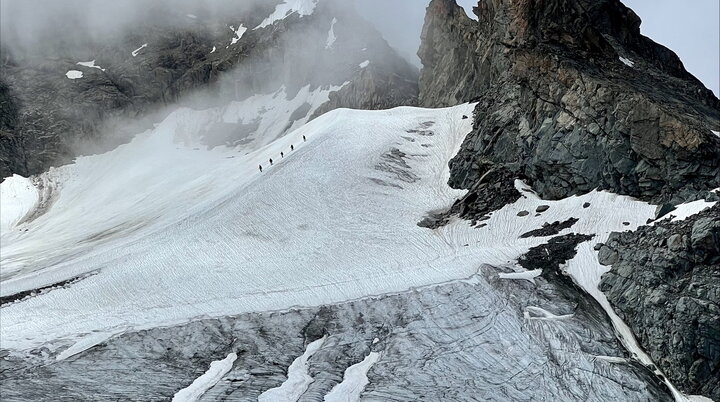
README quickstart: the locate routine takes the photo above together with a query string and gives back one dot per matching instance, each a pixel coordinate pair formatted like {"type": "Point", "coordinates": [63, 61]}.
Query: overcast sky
{"type": "Point", "coordinates": [690, 28]}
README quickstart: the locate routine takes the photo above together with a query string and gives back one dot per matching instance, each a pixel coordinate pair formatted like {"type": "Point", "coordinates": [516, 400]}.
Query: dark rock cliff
{"type": "Point", "coordinates": [571, 97]}
{"type": "Point", "coordinates": [665, 283]}
{"type": "Point", "coordinates": [47, 119]}
{"type": "Point", "coordinates": [558, 105]}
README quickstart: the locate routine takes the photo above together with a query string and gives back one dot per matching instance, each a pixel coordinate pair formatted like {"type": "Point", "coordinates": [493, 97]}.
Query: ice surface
{"type": "Point", "coordinates": [213, 50]}
{"type": "Point", "coordinates": [289, 7]}
{"type": "Point", "coordinates": [74, 74]}
{"type": "Point", "coordinates": [331, 35]}
{"type": "Point", "coordinates": [538, 313]}
{"type": "Point", "coordinates": [365, 64]}
{"type": "Point", "coordinates": [206, 381]}
{"type": "Point", "coordinates": [18, 196]}
{"type": "Point", "coordinates": [137, 51]}
{"type": "Point", "coordinates": [627, 61]}
{"type": "Point", "coordinates": [298, 377]}
{"type": "Point", "coordinates": [717, 133]}
{"type": "Point", "coordinates": [239, 32]}
{"type": "Point", "coordinates": [354, 381]}
{"type": "Point", "coordinates": [526, 275]}
{"type": "Point", "coordinates": [90, 64]}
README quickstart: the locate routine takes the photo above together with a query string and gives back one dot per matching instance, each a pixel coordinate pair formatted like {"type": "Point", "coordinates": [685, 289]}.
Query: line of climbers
{"type": "Point", "coordinates": [282, 154]}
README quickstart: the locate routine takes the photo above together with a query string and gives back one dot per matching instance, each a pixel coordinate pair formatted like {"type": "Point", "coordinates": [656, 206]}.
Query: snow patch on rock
{"type": "Point", "coordinates": [137, 51]}
{"type": "Point", "coordinates": [288, 8]}
{"type": "Point", "coordinates": [90, 64]}
{"type": "Point", "coordinates": [331, 38]}
{"type": "Point", "coordinates": [18, 196]}
{"type": "Point", "coordinates": [684, 211]}
{"type": "Point", "coordinates": [74, 74]}
{"type": "Point", "coordinates": [239, 32]}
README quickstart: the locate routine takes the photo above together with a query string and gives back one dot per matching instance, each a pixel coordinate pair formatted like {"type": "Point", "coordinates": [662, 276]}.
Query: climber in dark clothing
{"type": "Point", "coordinates": [282, 155]}
{"type": "Point", "coordinates": [270, 161]}
{"type": "Point", "coordinates": [304, 139]}
{"type": "Point", "coordinates": [260, 168]}
{"type": "Point", "coordinates": [292, 148]}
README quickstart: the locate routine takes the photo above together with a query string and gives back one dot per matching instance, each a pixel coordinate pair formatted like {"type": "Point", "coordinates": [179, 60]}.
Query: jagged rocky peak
{"type": "Point", "coordinates": [321, 50]}
{"type": "Point", "coordinates": [572, 97]}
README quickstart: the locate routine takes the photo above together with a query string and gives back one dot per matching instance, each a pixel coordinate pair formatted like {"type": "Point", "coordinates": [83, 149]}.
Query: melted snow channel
{"type": "Point", "coordinates": [354, 381]}
{"type": "Point", "coordinates": [627, 62]}
{"type": "Point", "coordinates": [202, 384]}
{"type": "Point", "coordinates": [298, 378]}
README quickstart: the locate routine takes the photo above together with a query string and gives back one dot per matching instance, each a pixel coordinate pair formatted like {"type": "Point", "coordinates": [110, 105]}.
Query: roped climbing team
{"type": "Point", "coordinates": [282, 154]}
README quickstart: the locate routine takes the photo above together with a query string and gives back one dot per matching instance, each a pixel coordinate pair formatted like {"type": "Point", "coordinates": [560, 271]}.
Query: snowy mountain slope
{"type": "Point", "coordinates": [239, 52]}
{"type": "Point", "coordinates": [269, 115]}
{"type": "Point", "coordinates": [171, 232]}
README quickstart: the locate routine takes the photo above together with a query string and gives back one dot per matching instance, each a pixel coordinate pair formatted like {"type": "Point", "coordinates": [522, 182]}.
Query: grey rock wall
{"type": "Point", "coordinates": [558, 106]}
{"type": "Point", "coordinates": [665, 283]}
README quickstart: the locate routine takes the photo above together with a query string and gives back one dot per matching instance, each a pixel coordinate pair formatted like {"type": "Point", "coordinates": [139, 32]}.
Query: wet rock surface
{"type": "Point", "coordinates": [557, 105]}
{"type": "Point", "coordinates": [665, 283]}
{"type": "Point", "coordinates": [492, 192]}
{"type": "Point", "coordinates": [551, 255]}
{"type": "Point", "coordinates": [489, 338]}
{"type": "Point", "coordinates": [551, 229]}
{"type": "Point", "coordinates": [47, 118]}
{"type": "Point", "coordinates": [571, 98]}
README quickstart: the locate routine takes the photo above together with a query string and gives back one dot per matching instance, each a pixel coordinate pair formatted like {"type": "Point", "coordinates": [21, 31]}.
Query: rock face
{"type": "Point", "coordinates": [665, 283]}
{"type": "Point", "coordinates": [572, 97]}
{"type": "Point", "coordinates": [48, 118]}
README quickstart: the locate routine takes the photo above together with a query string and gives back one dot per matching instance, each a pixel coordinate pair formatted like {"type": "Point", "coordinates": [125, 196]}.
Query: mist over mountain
{"type": "Point", "coordinates": [306, 200]}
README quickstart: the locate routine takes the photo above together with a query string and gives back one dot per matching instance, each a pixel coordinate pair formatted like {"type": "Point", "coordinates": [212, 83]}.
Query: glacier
{"type": "Point", "coordinates": [164, 234]}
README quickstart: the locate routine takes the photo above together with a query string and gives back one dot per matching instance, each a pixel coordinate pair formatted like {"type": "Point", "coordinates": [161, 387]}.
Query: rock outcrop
{"type": "Point", "coordinates": [572, 97]}
{"type": "Point", "coordinates": [47, 118]}
{"type": "Point", "coordinates": [665, 284]}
